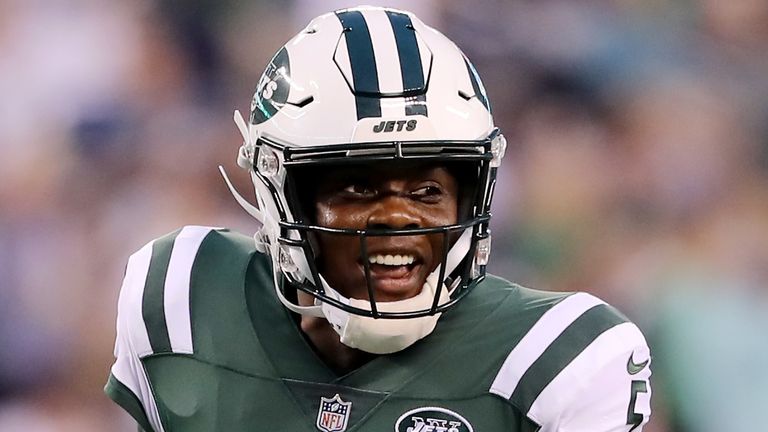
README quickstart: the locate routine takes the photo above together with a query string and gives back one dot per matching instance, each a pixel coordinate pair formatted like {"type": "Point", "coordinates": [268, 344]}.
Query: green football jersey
{"type": "Point", "coordinates": [204, 344]}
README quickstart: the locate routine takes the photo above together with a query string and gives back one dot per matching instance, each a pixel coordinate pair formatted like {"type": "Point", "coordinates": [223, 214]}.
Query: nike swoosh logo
{"type": "Point", "coordinates": [635, 368]}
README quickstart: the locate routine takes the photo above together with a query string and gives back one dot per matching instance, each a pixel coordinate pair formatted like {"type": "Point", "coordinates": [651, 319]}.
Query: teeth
{"type": "Point", "coordinates": [391, 260]}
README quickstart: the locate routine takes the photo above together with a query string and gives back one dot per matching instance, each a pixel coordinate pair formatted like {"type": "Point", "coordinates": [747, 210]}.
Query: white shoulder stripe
{"type": "Point", "coordinates": [127, 367]}
{"type": "Point", "coordinates": [616, 342]}
{"type": "Point", "coordinates": [177, 286]}
{"type": "Point", "coordinates": [538, 338]}
{"type": "Point", "coordinates": [130, 301]}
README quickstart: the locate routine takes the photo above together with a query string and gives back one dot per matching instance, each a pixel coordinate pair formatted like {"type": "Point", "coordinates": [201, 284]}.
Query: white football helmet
{"type": "Point", "coordinates": [368, 84]}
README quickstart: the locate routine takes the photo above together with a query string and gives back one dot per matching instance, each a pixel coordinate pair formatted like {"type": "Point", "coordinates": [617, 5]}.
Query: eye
{"type": "Point", "coordinates": [428, 193]}
{"type": "Point", "coordinates": [358, 190]}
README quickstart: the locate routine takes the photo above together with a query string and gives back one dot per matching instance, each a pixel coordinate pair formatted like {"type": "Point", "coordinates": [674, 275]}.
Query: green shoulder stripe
{"type": "Point", "coordinates": [569, 344]}
{"type": "Point", "coordinates": [124, 397]}
{"type": "Point", "coordinates": [152, 309]}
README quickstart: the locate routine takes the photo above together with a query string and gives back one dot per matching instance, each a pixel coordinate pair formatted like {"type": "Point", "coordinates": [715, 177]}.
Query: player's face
{"type": "Point", "coordinates": [384, 197]}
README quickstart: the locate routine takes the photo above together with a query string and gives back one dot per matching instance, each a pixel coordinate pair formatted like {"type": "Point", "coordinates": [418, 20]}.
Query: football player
{"type": "Point", "coordinates": [363, 303]}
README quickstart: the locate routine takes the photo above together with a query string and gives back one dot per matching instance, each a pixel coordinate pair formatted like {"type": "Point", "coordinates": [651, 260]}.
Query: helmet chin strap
{"type": "Point", "coordinates": [244, 160]}
{"type": "Point", "coordinates": [314, 311]}
{"type": "Point", "coordinates": [245, 155]}
{"type": "Point", "coordinates": [248, 207]}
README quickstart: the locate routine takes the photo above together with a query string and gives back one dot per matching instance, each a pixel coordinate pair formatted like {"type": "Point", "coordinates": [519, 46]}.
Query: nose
{"type": "Point", "coordinates": [393, 212]}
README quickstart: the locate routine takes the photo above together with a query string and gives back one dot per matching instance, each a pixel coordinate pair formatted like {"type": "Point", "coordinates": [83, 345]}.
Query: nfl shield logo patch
{"type": "Point", "coordinates": [333, 414]}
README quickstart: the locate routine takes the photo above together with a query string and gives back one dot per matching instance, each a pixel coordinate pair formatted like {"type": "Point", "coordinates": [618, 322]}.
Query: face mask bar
{"type": "Point", "coordinates": [369, 284]}
{"type": "Point", "coordinates": [460, 280]}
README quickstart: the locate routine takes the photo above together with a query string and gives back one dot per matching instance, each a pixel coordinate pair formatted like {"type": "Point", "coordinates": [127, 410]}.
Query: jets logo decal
{"type": "Point", "coordinates": [273, 88]}
{"type": "Point", "coordinates": [395, 125]}
{"type": "Point", "coordinates": [269, 90]}
{"type": "Point", "coordinates": [333, 414]}
{"type": "Point", "coordinates": [432, 419]}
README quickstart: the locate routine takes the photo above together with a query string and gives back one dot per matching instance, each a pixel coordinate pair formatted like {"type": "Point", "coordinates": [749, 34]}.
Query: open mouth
{"type": "Point", "coordinates": [395, 275]}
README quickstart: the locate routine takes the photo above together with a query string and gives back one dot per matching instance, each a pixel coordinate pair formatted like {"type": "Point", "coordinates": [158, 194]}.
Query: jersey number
{"type": "Point", "coordinates": [633, 418]}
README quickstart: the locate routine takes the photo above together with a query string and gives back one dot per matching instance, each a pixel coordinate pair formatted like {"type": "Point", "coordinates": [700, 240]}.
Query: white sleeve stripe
{"type": "Point", "coordinates": [568, 384]}
{"type": "Point", "coordinates": [131, 297]}
{"type": "Point", "coordinates": [538, 338]}
{"type": "Point", "coordinates": [177, 287]}
{"type": "Point", "coordinates": [128, 369]}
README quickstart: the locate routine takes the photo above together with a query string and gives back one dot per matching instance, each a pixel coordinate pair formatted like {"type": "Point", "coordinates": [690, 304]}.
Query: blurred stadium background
{"type": "Point", "coordinates": [638, 170]}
